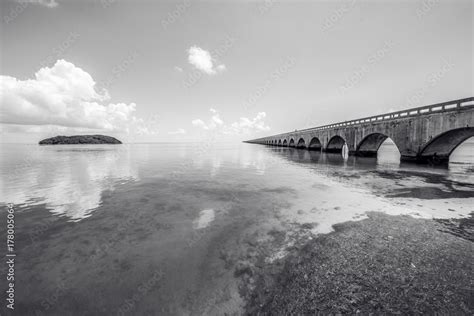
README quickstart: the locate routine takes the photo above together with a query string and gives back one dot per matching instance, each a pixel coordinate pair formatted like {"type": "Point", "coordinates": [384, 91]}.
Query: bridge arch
{"type": "Point", "coordinates": [335, 144]}
{"type": "Point", "coordinates": [301, 143]}
{"type": "Point", "coordinates": [292, 142]}
{"type": "Point", "coordinates": [370, 144]}
{"type": "Point", "coordinates": [285, 143]}
{"type": "Point", "coordinates": [279, 142]}
{"type": "Point", "coordinates": [315, 144]}
{"type": "Point", "coordinates": [438, 149]}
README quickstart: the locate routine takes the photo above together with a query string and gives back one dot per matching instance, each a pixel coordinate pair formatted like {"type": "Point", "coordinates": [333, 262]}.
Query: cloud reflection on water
{"type": "Point", "coordinates": [204, 219]}
{"type": "Point", "coordinates": [68, 180]}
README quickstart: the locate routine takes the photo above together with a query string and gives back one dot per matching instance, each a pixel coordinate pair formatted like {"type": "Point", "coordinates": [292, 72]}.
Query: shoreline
{"type": "Point", "coordinates": [383, 264]}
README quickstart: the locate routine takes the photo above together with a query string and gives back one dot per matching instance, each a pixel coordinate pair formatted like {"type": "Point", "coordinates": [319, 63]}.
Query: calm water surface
{"type": "Point", "coordinates": [160, 228]}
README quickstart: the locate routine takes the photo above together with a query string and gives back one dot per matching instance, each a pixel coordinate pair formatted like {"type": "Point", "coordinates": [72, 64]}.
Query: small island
{"type": "Point", "coordinates": [80, 139]}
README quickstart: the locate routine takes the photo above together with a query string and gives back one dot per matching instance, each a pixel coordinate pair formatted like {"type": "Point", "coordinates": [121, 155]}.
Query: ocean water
{"type": "Point", "coordinates": [160, 228]}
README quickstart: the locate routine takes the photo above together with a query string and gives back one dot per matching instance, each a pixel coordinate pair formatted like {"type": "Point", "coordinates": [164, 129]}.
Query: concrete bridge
{"type": "Point", "coordinates": [426, 134]}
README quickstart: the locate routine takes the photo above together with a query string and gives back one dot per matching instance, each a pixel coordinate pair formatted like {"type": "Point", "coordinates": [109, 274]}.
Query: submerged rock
{"type": "Point", "coordinates": [80, 139]}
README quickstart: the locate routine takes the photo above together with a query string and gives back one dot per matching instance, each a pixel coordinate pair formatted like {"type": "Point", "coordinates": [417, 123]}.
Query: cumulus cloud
{"type": "Point", "coordinates": [214, 122]}
{"type": "Point", "coordinates": [203, 61]}
{"type": "Point", "coordinates": [243, 126]}
{"type": "Point", "coordinates": [178, 69]}
{"type": "Point", "coordinates": [199, 123]}
{"type": "Point", "coordinates": [45, 3]}
{"type": "Point", "coordinates": [247, 126]}
{"type": "Point", "coordinates": [62, 95]}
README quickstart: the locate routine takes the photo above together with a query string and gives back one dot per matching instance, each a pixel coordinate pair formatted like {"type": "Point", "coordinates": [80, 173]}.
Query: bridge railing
{"type": "Point", "coordinates": [422, 110]}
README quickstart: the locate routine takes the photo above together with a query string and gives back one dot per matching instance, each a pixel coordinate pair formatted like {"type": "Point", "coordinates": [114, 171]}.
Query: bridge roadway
{"type": "Point", "coordinates": [426, 134]}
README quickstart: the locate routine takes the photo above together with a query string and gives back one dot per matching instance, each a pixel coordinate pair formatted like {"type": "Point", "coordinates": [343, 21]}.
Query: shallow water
{"type": "Point", "coordinates": [159, 228]}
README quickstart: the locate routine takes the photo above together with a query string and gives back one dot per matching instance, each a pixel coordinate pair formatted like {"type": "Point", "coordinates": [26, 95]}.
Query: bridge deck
{"type": "Point", "coordinates": [448, 106]}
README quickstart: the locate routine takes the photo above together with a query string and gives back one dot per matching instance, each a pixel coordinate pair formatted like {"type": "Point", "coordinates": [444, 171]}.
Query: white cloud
{"type": "Point", "coordinates": [243, 126]}
{"type": "Point", "coordinates": [178, 69]}
{"type": "Point", "coordinates": [179, 131]}
{"type": "Point", "coordinates": [62, 95]}
{"type": "Point", "coordinates": [199, 123]}
{"type": "Point", "coordinates": [45, 3]}
{"type": "Point", "coordinates": [213, 123]}
{"type": "Point", "coordinates": [247, 126]}
{"type": "Point", "coordinates": [216, 120]}
{"type": "Point", "coordinates": [202, 60]}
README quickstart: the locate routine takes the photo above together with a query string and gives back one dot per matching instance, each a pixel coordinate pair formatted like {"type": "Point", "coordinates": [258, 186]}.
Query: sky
{"type": "Point", "coordinates": [176, 71]}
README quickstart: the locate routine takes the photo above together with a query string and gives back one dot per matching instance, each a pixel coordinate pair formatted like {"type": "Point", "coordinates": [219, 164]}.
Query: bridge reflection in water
{"type": "Point", "coordinates": [427, 134]}
{"type": "Point", "coordinates": [459, 169]}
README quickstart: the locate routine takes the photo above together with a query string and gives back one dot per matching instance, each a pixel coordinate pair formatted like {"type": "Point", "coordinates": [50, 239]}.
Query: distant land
{"type": "Point", "coordinates": [80, 139]}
